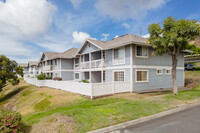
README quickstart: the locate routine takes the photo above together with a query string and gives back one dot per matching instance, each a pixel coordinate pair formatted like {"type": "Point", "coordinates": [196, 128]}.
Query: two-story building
{"type": "Point", "coordinates": [123, 62]}
{"type": "Point", "coordinates": [33, 69]}
{"type": "Point", "coordinates": [128, 58]}
{"type": "Point", "coordinates": [59, 64]}
{"type": "Point", "coordinates": [25, 68]}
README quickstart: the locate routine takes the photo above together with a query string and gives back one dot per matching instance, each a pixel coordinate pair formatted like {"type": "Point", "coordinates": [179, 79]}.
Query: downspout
{"type": "Point", "coordinates": [131, 68]}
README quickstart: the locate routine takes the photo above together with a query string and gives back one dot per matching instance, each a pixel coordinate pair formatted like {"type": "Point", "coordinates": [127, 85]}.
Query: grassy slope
{"type": "Point", "coordinates": [37, 104]}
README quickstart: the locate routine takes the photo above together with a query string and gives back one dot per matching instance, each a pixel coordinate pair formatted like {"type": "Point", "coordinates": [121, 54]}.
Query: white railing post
{"type": "Point", "coordinates": [91, 91]}
{"type": "Point", "coordinates": [113, 88]}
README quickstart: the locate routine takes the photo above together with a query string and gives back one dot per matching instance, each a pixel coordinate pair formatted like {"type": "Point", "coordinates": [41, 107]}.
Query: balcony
{"type": "Point", "coordinates": [56, 67]}
{"type": "Point", "coordinates": [91, 64]}
{"type": "Point", "coordinates": [47, 68]}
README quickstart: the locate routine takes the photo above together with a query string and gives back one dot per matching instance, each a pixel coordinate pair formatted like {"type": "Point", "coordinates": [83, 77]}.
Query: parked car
{"type": "Point", "coordinates": [189, 67]}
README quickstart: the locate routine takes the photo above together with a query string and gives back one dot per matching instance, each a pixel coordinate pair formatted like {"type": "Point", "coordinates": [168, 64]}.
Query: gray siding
{"type": "Point", "coordinates": [89, 48]}
{"type": "Point", "coordinates": [157, 81]}
{"type": "Point", "coordinates": [109, 57]}
{"type": "Point", "coordinates": [110, 74]}
{"type": "Point", "coordinates": [164, 60]}
{"type": "Point", "coordinates": [67, 75]}
{"type": "Point", "coordinates": [67, 64]}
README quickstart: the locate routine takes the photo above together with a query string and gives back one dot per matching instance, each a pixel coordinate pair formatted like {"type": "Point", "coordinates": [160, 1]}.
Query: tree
{"type": "Point", "coordinates": [8, 71]}
{"type": "Point", "coordinates": [172, 38]}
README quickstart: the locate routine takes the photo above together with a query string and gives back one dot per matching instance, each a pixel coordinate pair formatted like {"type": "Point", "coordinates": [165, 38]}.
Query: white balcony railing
{"type": "Point", "coordinates": [47, 68]}
{"type": "Point", "coordinates": [92, 64]}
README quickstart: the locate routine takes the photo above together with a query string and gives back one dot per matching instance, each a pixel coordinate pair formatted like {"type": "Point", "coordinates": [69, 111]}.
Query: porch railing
{"type": "Point", "coordinates": [47, 68]}
{"type": "Point", "coordinates": [92, 64]}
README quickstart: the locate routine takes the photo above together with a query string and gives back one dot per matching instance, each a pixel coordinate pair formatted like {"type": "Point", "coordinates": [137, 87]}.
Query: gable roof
{"type": "Point", "coordinates": [119, 41]}
{"type": "Point", "coordinates": [68, 54]}
{"type": "Point", "coordinates": [23, 64]}
{"type": "Point", "coordinates": [32, 63]}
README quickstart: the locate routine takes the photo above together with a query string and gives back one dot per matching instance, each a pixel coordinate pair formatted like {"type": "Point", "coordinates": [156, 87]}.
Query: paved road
{"type": "Point", "coordinates": [187, 121]}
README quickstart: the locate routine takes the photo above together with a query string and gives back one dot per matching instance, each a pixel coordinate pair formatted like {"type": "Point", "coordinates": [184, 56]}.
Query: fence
{"type": "Point", "coordinates": [88, 89]}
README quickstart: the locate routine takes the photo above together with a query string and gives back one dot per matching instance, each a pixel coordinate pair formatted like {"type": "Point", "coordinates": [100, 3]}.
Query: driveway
{"type": "Point", "coordinates": [187, 121]}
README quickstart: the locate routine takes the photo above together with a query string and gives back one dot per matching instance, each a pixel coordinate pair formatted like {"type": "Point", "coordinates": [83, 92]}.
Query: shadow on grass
{"type": "Point", "coordinates": [25, 128]}
{"type": "Point", "coordinates": [12, 93]}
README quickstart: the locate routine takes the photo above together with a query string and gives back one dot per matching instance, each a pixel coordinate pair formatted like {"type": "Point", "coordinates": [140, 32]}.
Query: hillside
{"type": "Point", "coordinates": [46, 110]}
{"type": "Point", "coordinates": [196, 42]}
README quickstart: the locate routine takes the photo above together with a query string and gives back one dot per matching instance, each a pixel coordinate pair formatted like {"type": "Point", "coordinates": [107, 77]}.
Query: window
{"type": "Point", "coordinates": [76, 75]}
{"type": "Point", "coordinates": [159, 71]}
{"type": "Point", "coordinates": [118, 75]}
{"type": "Point", "coordinates": [56, 62]}
{"type": "Point", "coordinates": [168, 71]}
{"type": "Point", "coordinates": [104, 76]}
{"type": "Point", "coordinates": [119, 56]}
{"type": "Point", "coordinates": [142, 76]}
{"type": "Point", "coordinates": [141, 51]}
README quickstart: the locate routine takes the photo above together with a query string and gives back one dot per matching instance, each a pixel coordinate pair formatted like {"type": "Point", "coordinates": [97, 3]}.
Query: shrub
{"type": "Point", "coordinates": [57, 78]}
{"type": "Point", "coordinates": [48, 77]}
{"type": "Point", "coordinates": [10, 122]}
{"type": "Point", "coordinates": [42, 76]}
{"type": "Point", "coordinates": [85, 81]}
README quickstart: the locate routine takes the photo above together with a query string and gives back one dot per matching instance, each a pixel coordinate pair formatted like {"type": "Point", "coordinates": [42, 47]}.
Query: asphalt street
{"type": "Point", "coordinates": [186, 121]}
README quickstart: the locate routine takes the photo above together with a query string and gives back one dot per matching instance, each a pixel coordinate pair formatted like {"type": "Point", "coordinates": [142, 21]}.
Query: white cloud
{"type": "Point", "coordinates": [125, 25]}
{"type": "Point", "coordinates": [125, 9]}
{"type": "Point", "coordinates": [146, 36]}
{"type": "Point", "coordinates": [31, 17]}
{"type": "Point", "coordinates": [21, 21]}
{"type": "Point", "coordinates": [116, 36]}
{"type": "Point", "coordinates": [105, 36]}
{"type": "Point", "coordinates": [76, 3]}
{"type": "Point", "coordinates": [79, 37]}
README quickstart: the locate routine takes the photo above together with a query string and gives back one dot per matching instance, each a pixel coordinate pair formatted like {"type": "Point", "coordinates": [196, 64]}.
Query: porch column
{"type": "Point", "coordinates": [102, 66]}
{"type": "Point", "coordinates": [131, 68]}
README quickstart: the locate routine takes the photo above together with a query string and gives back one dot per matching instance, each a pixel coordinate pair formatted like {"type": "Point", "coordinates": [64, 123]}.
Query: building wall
{"type": "Point", "coordinates": [164, 60]}
{"type": "Point", "coordinates": [110, 74]}
{"type": "Point", "coordinates": [157, 81]}
{"type": "Point", "coordinates": [67, 64]}
{"type": "Point", "coordinates": [109, 57]}
{"type": "Point", "coordinates": [67, 75]}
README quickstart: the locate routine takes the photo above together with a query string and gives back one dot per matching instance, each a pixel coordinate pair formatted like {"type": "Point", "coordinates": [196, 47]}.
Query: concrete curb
{"type": "Point", "coordinates": [144, 119]}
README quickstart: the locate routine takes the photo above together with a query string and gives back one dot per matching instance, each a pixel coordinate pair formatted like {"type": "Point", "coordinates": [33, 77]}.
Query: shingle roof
{"type": "Point", "coordinates": [32, 63]}
{"type": "Point", "coordinates": [120, 41]}
{"type": "Point", "coordinates": [68, 54]}
{"type": "Point", "coordinates": [23, 64]}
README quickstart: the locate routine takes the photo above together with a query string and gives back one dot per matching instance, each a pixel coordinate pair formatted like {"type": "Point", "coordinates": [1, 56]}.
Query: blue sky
{"type": "Point", "coordinates": [29, 27]}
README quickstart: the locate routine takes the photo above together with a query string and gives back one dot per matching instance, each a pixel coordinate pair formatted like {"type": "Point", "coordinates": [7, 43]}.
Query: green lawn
{"type": "Point", "coordinates": [94, 114]}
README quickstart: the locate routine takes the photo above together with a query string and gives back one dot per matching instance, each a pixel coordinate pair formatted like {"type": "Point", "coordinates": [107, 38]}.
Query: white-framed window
{"type": "Point", "coordinates": [77, 76]}
{"type": "Point", "coordinates": [141, 51]}
{"type": "Point", "coordinates": [119, 75]}
{"type": "Point", "coordinates": [142, 76]}
{"type": "Point", "coordinates": [168, 71]}
{"type": "Point", "coordinates": [159, 71]}
{"type": "Point", "coordinates": [119, 56]}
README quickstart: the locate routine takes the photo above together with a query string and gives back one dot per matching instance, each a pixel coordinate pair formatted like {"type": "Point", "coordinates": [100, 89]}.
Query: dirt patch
{"type": "Point", "coordinates": [191, 82]}
{"type": "Point", "coordinates": [55, 124]}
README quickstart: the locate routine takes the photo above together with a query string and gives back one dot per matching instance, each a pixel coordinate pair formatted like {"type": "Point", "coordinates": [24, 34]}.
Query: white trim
{"type": "Point", "coordinates": [168, 73]}
{"type": "Point", "coordinates": [118, 71]}
{"type": "Point", "coordinates": [158, 70]}
{"type": "Point", "coordinates": [131, 69]}
{"type": "Point", "coordinates": [85, 43]}
{"type": "Point", "coordinates": [141, 81]}
{"type": "Point", "coordinates": [128, 66]}
{"type": "Point", "coordinates": [113, 62]}
{"type": "Point", "coordinates": [141, 56]}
